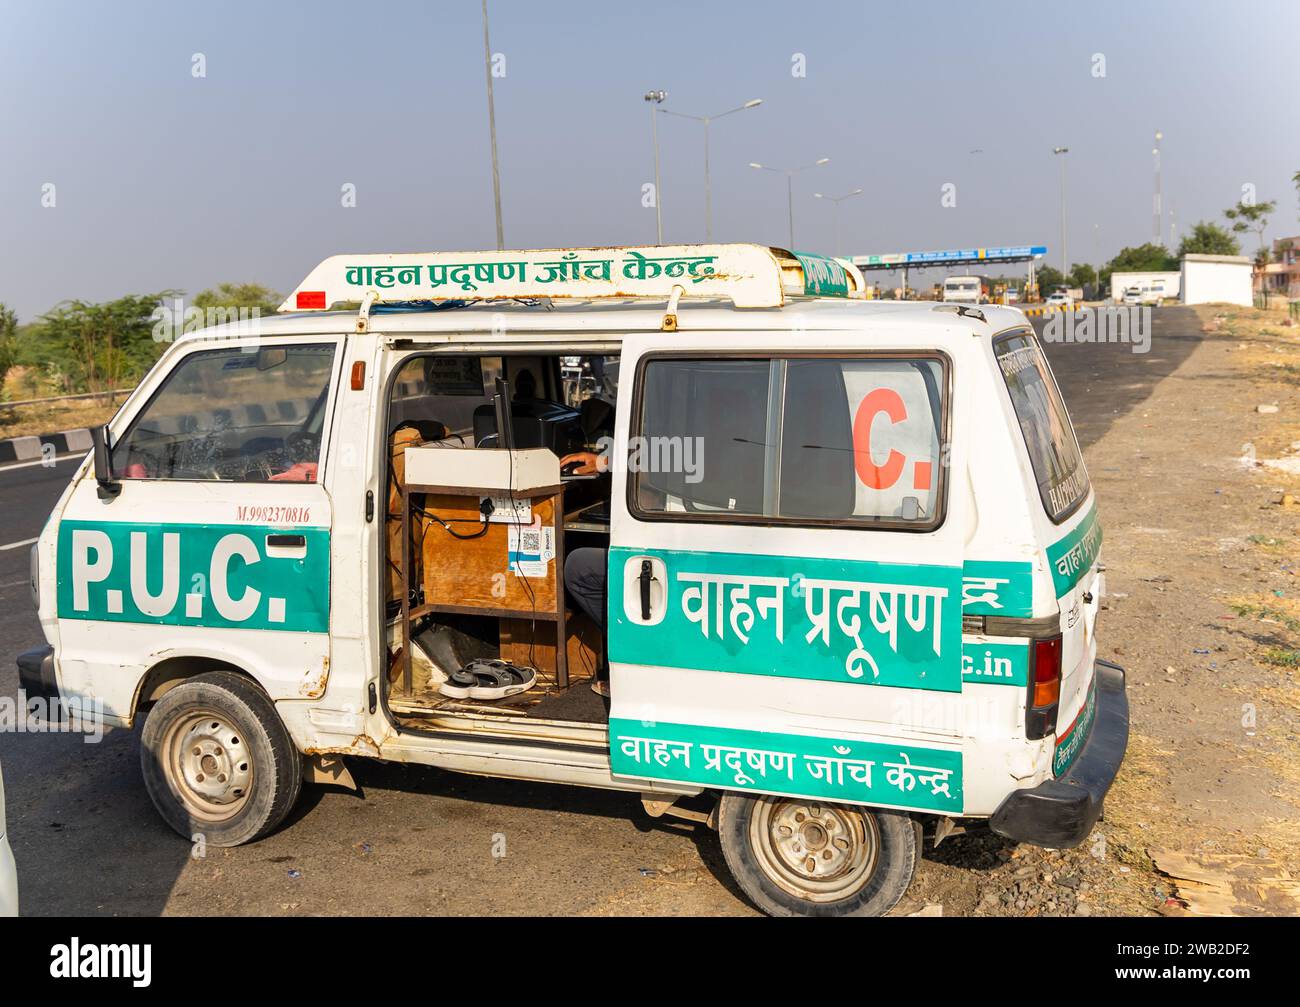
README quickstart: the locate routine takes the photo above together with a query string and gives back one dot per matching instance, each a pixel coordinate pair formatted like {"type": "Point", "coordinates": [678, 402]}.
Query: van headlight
{"type": "Point", "coordinates": [36, 576]}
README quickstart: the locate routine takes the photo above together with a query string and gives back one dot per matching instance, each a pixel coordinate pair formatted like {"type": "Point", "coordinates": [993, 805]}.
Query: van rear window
{"type": "Point", "coordinates": [800, 440]}
{"type": "Point", "coordinates": [1053, 450]}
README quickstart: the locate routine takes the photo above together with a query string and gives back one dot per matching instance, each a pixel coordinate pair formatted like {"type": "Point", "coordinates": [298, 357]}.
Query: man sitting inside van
{"type": "Point", "coordinates": [585, 568]}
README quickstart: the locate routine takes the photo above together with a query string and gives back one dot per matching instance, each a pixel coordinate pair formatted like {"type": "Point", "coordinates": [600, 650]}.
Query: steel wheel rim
{"type": "Point", "coordinates": [209, 765]}
{"type": "Point", "coordinates": [813, 850]}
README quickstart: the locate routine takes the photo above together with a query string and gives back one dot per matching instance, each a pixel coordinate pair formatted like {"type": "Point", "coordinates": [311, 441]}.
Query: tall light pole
{"type": "Point", "coordinates": [1062, 151]}
{"type": "Point", "coordinates": [789, 174]}
{"type": "Point", "coordinates": [1096, 253]}
{"type": "Point", "coordinates": [1156, 209]}
{"type": "Point", "coordinates": [706, 119]}
{"type": "Point", "coordinates": [837, 200]}
{"type": "Point", "coordinates": [656, 98]}
{"type": "Point", "coordinates": [492, 128]}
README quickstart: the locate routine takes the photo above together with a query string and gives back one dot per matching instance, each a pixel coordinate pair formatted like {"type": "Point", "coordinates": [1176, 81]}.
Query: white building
{"type": "Point", "coordinates": [1215, 279]}
{"type": "Point", "coordinates": [1166, 284]}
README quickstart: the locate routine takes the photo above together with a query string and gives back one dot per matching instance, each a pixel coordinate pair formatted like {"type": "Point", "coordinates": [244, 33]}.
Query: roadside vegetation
{"type": "Point", "coordinates": [79, 347]}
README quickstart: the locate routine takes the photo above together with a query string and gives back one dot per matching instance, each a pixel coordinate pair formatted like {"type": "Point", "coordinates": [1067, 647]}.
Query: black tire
{"type": "Point", "coordinates": [867, 877]}
{"type": "Point", "coordinates": [218, 761]}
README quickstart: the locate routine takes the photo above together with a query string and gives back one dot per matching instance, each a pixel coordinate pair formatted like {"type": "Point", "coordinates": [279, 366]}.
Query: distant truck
{"type": "Point", "coordinates": [962, 289]}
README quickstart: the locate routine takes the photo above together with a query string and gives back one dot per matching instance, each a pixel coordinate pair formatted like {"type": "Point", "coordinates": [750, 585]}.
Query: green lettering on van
{"type": "Point", "coordinates": [1070, 743]}
{"type": "Point", "coordinates": [997, 587]}
{"type": "Point", "coordinates": [835, 620]}
{"type": "Point", "coordinates": [822, 276]}
{"type": "Point", "coordinates": [800, 765]}
{"type": "Point", "coordinates": [193, 575]}
{"type": "Point", "coordinates": [1072, 557]}
{"type": "Point", "coordinates": [995, 663]}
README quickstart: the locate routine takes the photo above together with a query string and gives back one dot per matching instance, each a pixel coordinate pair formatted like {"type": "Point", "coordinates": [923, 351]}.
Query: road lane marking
{"type": "Point", "coordinates": [18, 545]}
{"type": "Point", "coordinates": [41, 461]}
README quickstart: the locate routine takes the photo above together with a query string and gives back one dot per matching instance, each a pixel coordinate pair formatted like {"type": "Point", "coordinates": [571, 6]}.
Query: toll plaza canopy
{"type": "Point", "coordinates": [951, 257]}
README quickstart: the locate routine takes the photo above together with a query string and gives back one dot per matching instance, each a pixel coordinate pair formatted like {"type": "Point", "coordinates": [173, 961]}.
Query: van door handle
{"type": "Point", "coordinates": [645, 578]}
{"type": "Point", "coordinates": [286, 541]}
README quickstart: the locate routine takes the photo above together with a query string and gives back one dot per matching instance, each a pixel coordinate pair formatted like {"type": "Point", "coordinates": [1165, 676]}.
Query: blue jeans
{"type": "Point", "coordinates": [585, 574]}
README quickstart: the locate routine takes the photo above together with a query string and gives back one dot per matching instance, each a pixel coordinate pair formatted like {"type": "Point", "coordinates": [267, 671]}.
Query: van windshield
{"type": "Point", "coordinates": [1053, 450]}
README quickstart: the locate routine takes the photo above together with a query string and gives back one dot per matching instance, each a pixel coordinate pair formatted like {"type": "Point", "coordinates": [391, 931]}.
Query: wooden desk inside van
{"type": "Point", "coordinates": [471, 575]}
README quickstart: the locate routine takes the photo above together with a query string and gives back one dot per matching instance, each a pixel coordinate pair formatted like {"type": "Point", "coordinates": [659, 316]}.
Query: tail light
{"type": "Point", "coordinates": [1044, 687]}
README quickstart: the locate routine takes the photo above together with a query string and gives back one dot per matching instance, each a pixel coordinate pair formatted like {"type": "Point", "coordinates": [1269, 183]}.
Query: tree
{"type": "Point", "coordinates": [1082, 275]}
{"type": "Point", "coordinates": [1048, 277]}
{"type": "Point", "coordinates": [96, 347]}
{"type": "Point", "coordinates": [1148, 258]}
{"type": "Point", "coordinates": [1208, 239]}
{"type": "Point", "coordinates": [8, 341]}
{"type": "Point", "coordinates": [238, 295]}
{"type": "Point", "coordinates": [1251, 217]}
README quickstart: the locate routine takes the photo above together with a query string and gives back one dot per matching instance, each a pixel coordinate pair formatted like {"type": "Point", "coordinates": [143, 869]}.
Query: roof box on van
{"type": "Point", "coordinates": [750, 276]}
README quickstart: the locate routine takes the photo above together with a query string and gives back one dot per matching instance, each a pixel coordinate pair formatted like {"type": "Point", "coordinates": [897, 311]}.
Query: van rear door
{"type": "Point", "coordinates": [1068, 527]}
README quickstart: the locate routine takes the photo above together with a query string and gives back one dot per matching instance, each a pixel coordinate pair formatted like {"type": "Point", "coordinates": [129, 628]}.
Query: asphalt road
{"type": "Point", "coordinates": [88, 841]}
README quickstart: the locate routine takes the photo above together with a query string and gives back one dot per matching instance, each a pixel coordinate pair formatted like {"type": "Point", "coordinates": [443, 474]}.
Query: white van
{"type": "Point", "coordinates": [962, 290]}
{"type": "Point", "coordinates": [8, 871]}
{"type": "Point", "coordinates": [851, 548]}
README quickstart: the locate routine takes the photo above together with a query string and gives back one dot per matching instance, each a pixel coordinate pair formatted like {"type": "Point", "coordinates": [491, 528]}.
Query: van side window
{"type": "Point", "coordinates": [1053, 450]}
{"type": "Point", "coordinates": [238, 414]}
{"type": "Point", "coordinates": [800, 440]}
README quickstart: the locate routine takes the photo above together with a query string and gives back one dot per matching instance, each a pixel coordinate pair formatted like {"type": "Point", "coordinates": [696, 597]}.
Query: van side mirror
{"type": "Point", "coordinates": [108, 486]}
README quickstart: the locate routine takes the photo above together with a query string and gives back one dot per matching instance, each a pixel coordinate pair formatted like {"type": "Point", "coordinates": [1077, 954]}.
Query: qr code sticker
{"type": "Point", "coordinates": [530, 542]}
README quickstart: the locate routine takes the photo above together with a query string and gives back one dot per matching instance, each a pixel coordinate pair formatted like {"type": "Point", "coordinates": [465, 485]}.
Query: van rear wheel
{"type": "Point", "coordinates": [217, 760]}
{"type": "Point", "coordinates": [800, 857]}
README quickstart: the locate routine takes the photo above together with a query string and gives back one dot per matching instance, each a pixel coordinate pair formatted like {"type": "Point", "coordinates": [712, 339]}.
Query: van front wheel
{"type": "Point", "coordinates": [800, 857]}
{"type": "Point", "coordinates": [217, 760]}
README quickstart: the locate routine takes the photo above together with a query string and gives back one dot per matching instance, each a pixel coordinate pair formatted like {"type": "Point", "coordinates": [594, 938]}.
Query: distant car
{"type": "Point", "coordinates": [1059, 299]}
{"type": "Point", "coordinates": [962, 290]}
{"type": "Point", "coordinates": [1132, 296]}
{"type": "Point", "coordinates": [1150, 295]}
{"type": "Point", "coordinates": [8, 872]}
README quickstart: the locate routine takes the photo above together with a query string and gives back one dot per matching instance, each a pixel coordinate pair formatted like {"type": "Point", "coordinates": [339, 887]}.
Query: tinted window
{"type": "Point", "coordinates": [854, 439]}
{"type": "Point", "coordinates": [239, 414]}
{"type": "Point", "coordinates": [704, 431]}
{"type": "Point", "coordinates": [1053, 451]}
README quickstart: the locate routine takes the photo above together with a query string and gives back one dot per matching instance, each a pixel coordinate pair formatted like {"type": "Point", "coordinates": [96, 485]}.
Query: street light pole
{"type": "Point", "coordinates": [1096, 253]}
{"type": "Point", "coordinates": [1065, 269]}
{"type": "Point", "coordinates": [708, 191]}
{"type": "Point", "coordinates": [655, 98]}
{"type": "Point", "coordinates": [837, 200]}
{"type": "Point", "coordinates": [1157, 209]}
{"type": "Point", "coordinates": [789, 174]}
{"type": "Point", "coordinates": [492, 128]}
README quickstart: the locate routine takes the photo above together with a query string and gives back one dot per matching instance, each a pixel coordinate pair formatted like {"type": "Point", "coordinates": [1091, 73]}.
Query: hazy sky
{"type": "Point", "coordinates": [167, 180]}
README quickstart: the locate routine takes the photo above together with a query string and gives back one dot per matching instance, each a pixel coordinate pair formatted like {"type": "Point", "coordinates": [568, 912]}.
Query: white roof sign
{"type": "Point", "coordinates": [750, 276]}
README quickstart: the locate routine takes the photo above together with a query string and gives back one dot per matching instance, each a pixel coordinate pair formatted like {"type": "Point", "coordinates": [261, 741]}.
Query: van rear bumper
{"type": "Point", "coordinates": [36, 675]}
{"type": "Point", "coordinates": [1061, 812]}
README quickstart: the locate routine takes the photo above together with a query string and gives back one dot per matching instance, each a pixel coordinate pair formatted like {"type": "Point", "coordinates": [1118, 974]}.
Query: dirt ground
{"type": "Point", "coordinates": [22, 421]}
{"type": "Point", "coordinates": [1198, 489]}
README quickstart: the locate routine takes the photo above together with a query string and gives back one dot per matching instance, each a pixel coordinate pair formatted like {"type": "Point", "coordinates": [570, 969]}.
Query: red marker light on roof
{"type": "Point", "coordinates": [310, 299]}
